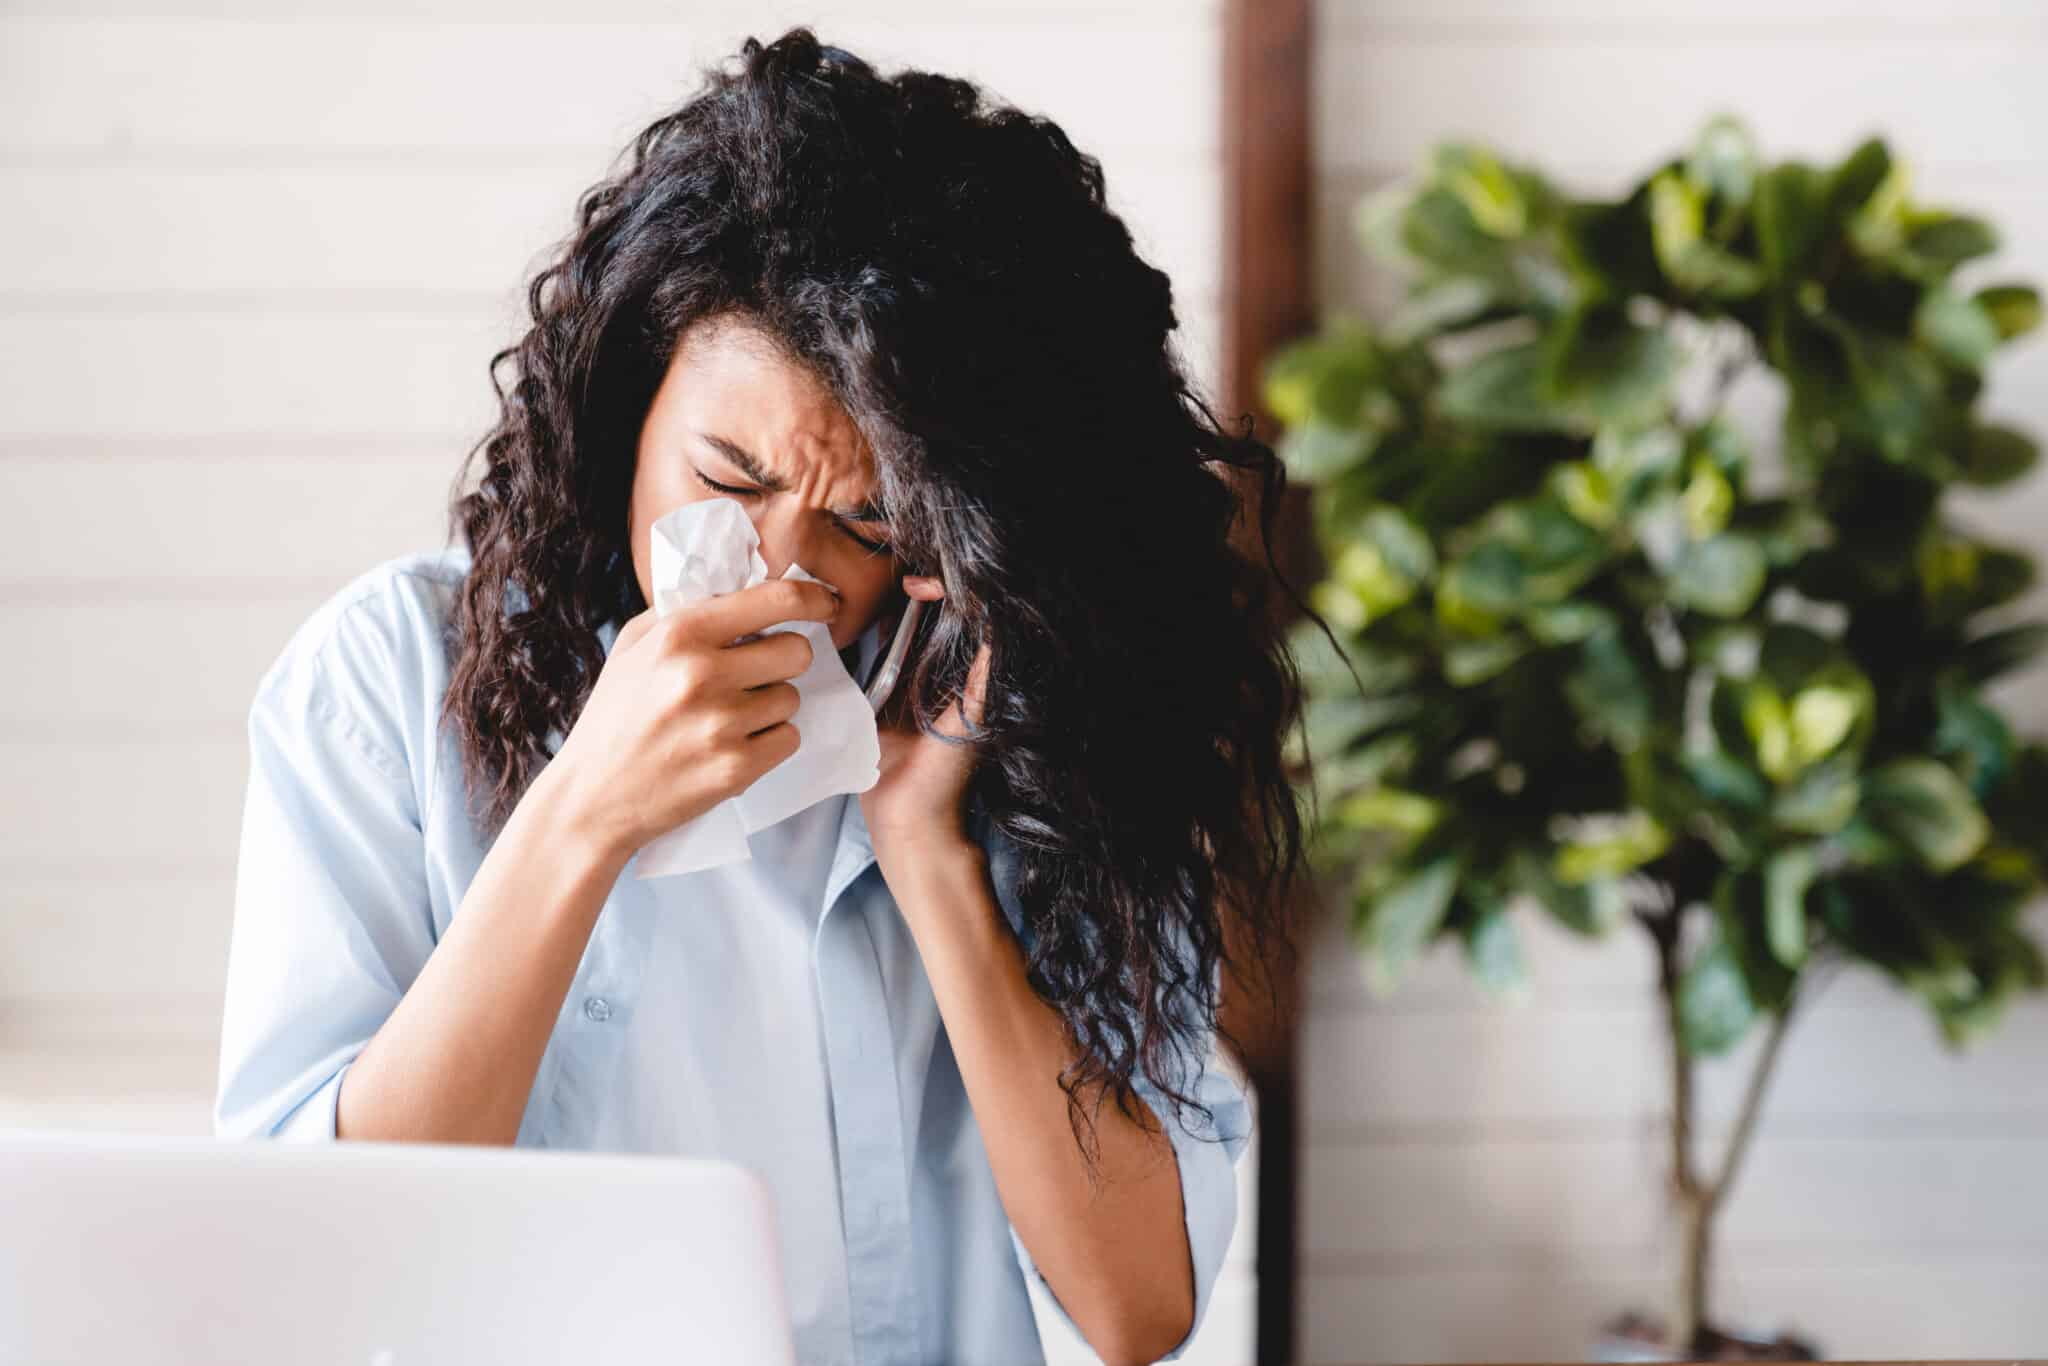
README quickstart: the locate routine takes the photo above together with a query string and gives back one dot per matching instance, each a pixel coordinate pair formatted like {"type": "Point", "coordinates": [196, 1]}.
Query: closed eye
{"type": "Point", "coordinates": [872, 547]}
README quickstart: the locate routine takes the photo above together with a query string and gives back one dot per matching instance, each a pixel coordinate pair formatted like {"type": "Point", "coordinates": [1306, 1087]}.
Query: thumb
{"type": "Point", "coordinates": [636, 626]}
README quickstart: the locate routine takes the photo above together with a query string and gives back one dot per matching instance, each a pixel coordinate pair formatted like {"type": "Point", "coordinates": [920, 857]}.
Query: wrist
{"type": "Point", "coordinates": [571, 825]}
{"type": "Point", "coordinates": [933, 877]}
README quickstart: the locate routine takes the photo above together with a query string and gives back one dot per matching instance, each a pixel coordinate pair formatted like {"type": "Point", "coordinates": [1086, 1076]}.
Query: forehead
{"type": "Point", "coordinates": [731, 379]}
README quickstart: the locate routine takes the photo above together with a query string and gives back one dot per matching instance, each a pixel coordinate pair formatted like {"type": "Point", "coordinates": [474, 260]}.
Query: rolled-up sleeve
{"type": "Point", "coordinates": [331, 919]}
{"type": "Point", "coordinates": [1207, 1148]}
{"type": "Point", "coordinates": [1207, 1153]}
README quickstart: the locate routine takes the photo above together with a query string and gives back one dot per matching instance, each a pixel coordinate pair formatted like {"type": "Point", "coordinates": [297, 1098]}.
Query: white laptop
{"type": "Point", "coordinates": [120, 1248]}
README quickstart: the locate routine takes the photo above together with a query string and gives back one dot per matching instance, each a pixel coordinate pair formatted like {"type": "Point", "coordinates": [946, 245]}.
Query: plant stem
{"type": "Point", "coordinates": [1699, 1200]}
{"type": "Point", "coordinates": [1753, 1099]}
{"type": "Point", "coordinates": [1695, 1202]}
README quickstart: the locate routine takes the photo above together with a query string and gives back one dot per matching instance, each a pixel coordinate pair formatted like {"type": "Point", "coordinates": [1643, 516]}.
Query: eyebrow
{"type": "Point", "coordinates": [774, 483]}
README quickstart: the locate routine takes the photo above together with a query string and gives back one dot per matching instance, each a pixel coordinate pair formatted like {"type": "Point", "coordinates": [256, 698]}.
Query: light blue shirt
{"type": "Point", "coordinates": [774, 1012]}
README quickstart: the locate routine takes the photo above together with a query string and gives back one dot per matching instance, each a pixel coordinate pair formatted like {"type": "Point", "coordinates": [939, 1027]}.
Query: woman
{"type": "Point", "coordinates": [902, 330]}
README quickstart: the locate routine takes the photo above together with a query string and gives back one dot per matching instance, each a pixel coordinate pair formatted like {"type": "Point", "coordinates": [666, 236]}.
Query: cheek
{"type": "Point", "coordinates": [872, 594]}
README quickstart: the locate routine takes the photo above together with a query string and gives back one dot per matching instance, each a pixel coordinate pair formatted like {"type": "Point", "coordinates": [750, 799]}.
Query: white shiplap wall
{"type": "Point", "coordinates": [254, 258]}
{"type": "Point", "coordinates": [1482, 1182]}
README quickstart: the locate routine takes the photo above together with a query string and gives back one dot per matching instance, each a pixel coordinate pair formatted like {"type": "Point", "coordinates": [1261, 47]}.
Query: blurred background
{"type": "Point", "coordinates": [257, 256]}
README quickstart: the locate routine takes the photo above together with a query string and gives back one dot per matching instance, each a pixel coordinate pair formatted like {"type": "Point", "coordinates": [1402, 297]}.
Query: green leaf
{"type": "Point", "coordinates": [1399, 922]}
{"type": "Point", "coordinates": [1939, 242]}
{"type": "Point", "coordinates": [1956, 327]}
{"type": "Point", "coordinates": [1484, 187]}
{"type": "Point", "coordinates": [1925, 806]}
{"type": "Point", "coordinates": [1502, 389]}
{"type": "Point", "coordinates": [1708, 500]}
{"type": "Point", "coordinates": [1609, 693]}
{"type": "Point", "coordinates": [1788, 216]}
{"type": "Point", "coordinates": [1590, 909]}
{"type": "Point", "coordinates": [1999, 455]}
{"type": "Point", "coordinates": [1438, 229]}
{"type": "Point", "coordinates": [1404, 545]}
{"type": "Point", "coordinates": [1822, 717]}
{"type": "Point", "coordinates": [1819, 801]}
{"type": "Point", "coordinates": [2000, 652]}
{"type": "Point", "coordinates": [1714, 1008]}
{"type": "Point", "coordinates": [1974, 737]}
{"type": "Point", "coordinates": [1723, 162]}
{"type": "Point", "coordinates": [1336, 721]}
{"type": "Point", "coordinates": [1467, 662]}
{"type": "Point", "coordinates": [1495, 953]}
{"type": "Point", "coordinates": [1726, 780]}
{"type": "Point", "coordinates": [1787, 875]}
{"type": "Point", "coordinates": [1630, 844]}
{"type": "Point", "coordinates": [1444, 305]}
{"type": "Point", "coordinates": [1851, 184]}
{"type": "Point", "coordinates": [2015, 309]}
{"type": "Point", "coordinates": [1586, 492]}
{"type": "Point", "coordinates": [1388, 808]}
{"type": "Point", "coordinates": [1899, 389]}
{"type": "Point", "coordinates": [1605, 368]}
{"type": "Point", "coordinates": [1793, 655]}
{"type": "Point", "coordinates": [1315, 450]}
{"type": "Point", "coordinates": [1568, 623]}
{"type": "Point", "coordinates": [1720, 576]}
{"type": "Point", "coordinates": [1607, 246]}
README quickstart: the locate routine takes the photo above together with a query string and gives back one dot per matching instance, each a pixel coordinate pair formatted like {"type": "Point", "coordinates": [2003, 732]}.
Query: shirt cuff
{"type": "Point", "coordinates": [314, 1118]}
{"type": "Point", "coordinates": [1207, 1154]}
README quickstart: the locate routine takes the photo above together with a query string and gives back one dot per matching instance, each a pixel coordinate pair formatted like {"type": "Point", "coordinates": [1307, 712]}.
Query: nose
{"type": "Point", "coordinates": [786, 538]}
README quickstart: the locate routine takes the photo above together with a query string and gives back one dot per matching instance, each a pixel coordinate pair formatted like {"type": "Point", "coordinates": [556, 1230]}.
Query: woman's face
{"type": "Point", "coordinates": [732, 411]}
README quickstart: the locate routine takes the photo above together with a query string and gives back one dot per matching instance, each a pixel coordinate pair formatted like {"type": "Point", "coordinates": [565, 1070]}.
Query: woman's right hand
{"type": "Point", "coordinates": [680, 719]}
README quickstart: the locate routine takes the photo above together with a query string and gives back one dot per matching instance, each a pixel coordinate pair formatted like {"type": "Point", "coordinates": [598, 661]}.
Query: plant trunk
{"type": "Point", "coordinates": [1689, 1324]}
{"type": "Point", "coordinates": [1697, 1195]}
{"type": "Point", "coordinates": [1695, 1202]}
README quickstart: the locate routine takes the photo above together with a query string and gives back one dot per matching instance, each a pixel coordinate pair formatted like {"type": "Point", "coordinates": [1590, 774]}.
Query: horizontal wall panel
{"type": "Point", "coordinates": [1602, 1067]}
{"type": "Point", "coordinates": [738, 16]}
{"type": "Point", "coordinates": [1680, 20]}
{"type": "Point", "coordinates": [166, 668]}
{"type": "Point", "coordinates": [1977, 1305]}
{"type": "Point", "coordinates": [71, 806]}
{"type": "Point", "coordinates": [154, 235]}
{"type": "Point", "coordinates": [1628, 98]}
{"type": "Point", "coordinates": [264, 371]}
{"type": "Point", "coordinates": [223, 519]}
{"type": "Point", "coordinates": [1563, 969]}
{"type": "Point", "coordinates": [110, 937]}
{"type": "Point", "coordinates": [1499, 1200]}
{"type": "Point", "coordinates": [338, 85]}
{"type": "Point", "coordinates": [289, 371]}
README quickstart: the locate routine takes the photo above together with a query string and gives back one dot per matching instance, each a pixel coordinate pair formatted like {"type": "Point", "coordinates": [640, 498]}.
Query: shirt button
{"type": "Point", "coordinates": [597, 1008]}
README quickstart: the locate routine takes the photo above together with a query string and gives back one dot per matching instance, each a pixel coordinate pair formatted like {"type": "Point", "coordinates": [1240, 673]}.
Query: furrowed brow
{"type": "Point", "coordinates": [744, 458]}
{"type": "Point", "coordinates": [869, 511]}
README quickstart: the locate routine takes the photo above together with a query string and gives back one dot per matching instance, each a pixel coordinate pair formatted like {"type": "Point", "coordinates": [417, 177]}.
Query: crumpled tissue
{"type": "Point", "coordinates": [708, 547]}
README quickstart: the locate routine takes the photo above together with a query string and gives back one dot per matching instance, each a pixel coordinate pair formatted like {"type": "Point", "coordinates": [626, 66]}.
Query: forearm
{"type": "Point", "coordinates": [1116, 1254]}
{"type": "Point", "coordinates": [455, 1060]}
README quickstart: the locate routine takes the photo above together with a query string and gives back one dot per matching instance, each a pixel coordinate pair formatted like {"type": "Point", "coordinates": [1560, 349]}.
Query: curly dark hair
{"type": "Point", "coordinates": [949, 269]}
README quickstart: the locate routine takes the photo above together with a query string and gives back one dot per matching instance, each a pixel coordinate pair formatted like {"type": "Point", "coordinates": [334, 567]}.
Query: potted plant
{"type": "Point", "coordinates": [1614, 653]}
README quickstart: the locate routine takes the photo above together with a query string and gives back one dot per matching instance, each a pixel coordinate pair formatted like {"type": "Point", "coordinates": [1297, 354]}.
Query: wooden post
{"type": "Point", "coordinates": [1267, 46]}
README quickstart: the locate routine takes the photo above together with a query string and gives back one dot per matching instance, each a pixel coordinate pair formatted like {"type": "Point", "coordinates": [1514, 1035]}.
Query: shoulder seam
{"type": "Point", "coordinates": [314, 651]}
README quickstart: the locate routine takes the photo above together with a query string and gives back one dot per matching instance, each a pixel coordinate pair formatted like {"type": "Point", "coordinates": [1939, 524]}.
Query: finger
{"type": "Point", "coordinates": [923, 587]}
{"type": "Point", "coordinates": [770, 603]}
{"type": "Point", "coordinates": [771, 658]}
{"type": "Point", "coordinates": [977, 683]}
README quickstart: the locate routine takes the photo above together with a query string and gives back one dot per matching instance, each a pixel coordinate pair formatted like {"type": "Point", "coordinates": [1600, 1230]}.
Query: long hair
{"type": "Point", "coordinates": [949, 269]}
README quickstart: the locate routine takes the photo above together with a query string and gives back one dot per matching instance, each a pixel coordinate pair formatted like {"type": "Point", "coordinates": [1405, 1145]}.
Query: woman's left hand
{"type": "Point", "coordinates": [919, 801]}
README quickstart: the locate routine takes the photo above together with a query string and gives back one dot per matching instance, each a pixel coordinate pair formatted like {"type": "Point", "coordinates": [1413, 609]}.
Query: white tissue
{"type": "Point", "coordinates": [709, 547]}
